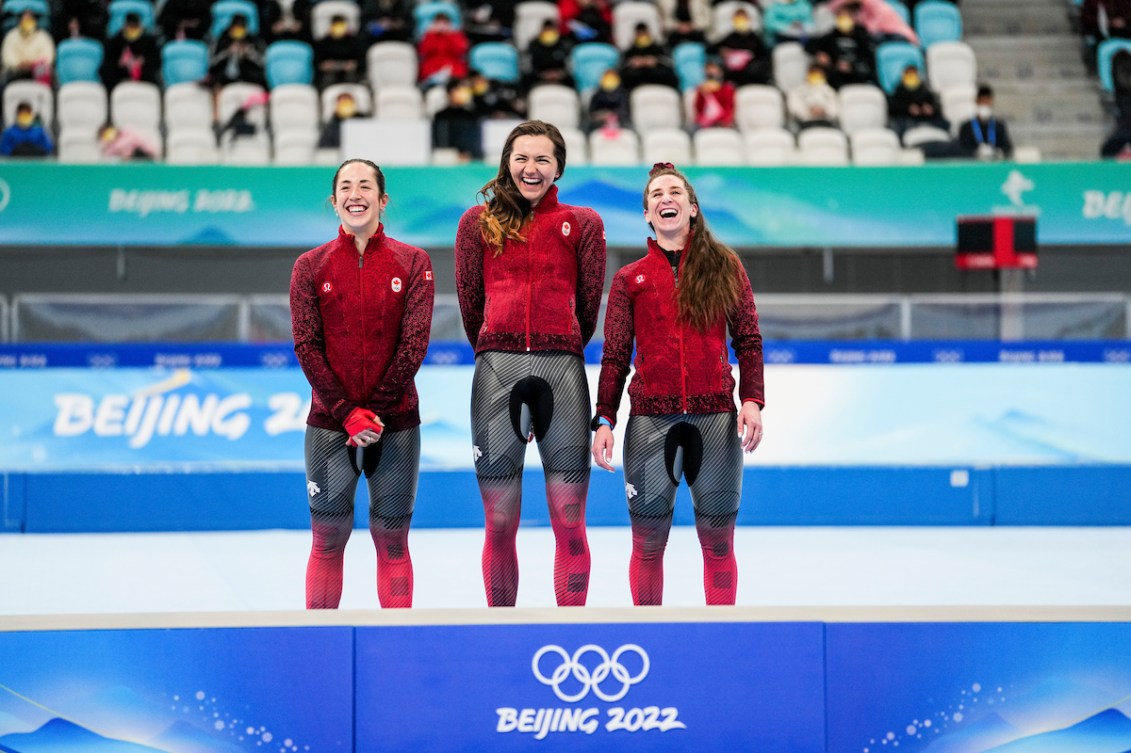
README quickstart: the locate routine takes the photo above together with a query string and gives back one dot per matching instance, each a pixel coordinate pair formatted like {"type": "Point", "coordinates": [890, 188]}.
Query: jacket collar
{"type": "Point", "coordinates": [549, 202]}
{"type": "Point", "coordinates": [374, 242]}
{"type": "Point", "coordinates": [655, 248]}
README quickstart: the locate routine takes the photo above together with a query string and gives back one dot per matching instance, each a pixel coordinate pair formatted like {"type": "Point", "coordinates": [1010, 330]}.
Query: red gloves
{"type": "Point", "coordinates": [359, 420]}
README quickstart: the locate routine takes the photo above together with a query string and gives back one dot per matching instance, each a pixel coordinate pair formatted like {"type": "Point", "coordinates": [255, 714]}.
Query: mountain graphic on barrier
{"type": "Point", "coordinates": [1107, 732]}
{"type": "Point", "coordinates": [61, 736]}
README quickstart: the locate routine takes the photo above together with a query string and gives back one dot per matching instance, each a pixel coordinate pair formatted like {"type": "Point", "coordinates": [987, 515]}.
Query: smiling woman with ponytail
{"type": "Point", "coordinates": [674, 307]}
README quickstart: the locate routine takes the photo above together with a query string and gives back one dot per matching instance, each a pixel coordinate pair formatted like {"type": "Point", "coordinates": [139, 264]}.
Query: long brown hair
{"type": "Point", "coordinates": [506, 209]}
{"type": "Point", "coordinates": [709, 283]}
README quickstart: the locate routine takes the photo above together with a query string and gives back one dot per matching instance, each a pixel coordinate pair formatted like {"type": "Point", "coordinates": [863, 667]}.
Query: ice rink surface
{"type": "Point", "coordinates": [54, 574]}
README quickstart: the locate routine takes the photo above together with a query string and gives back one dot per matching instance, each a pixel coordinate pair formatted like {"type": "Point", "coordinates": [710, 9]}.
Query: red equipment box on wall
{"type": "Point", "coordinates": [1004, 242]}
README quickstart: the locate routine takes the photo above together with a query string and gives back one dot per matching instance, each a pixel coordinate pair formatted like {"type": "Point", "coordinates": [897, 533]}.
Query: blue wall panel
{"type": "Point", "coordinates": [1066, 496]}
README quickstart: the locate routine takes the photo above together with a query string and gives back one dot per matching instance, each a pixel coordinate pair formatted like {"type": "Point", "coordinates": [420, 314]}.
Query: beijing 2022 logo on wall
{"type": "Point", "coordinates": [590, 674]}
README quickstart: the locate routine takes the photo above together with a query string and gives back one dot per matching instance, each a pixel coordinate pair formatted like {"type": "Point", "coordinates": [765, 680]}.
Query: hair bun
{"type": "Point", "coordinates": [660, 166]}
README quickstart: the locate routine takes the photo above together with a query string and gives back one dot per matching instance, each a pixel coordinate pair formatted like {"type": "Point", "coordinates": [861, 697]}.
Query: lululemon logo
{"type": "Point", "coordinates": [639, 279]}
{"type": "Point", "coordinates": [327, 287]}
{"type": "Point", "coordinates": [396, 284]}
{"type": "Point", "coordinates": [573, 677]}
{"type": "Point", "coordinates": [565, 228]}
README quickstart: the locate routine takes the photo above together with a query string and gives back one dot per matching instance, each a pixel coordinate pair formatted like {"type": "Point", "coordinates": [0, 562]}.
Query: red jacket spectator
{"type": "Point", "coordinates": [714, 101]}
{"type": "Point", "coordinates": [341, 306]}
{"type": "Point", "coordinates": [541, 294]}
{"type": "Point", "coordinates": [687, 373]}
{"type": "Point", "coordinates": [442, 52]}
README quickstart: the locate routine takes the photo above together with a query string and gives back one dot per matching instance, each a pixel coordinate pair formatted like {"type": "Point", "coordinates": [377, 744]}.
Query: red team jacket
{"type": "Point", "coordinates": [361, 326]}
{"type": "Point", "coordinates": [679, 369]}
{"type": "Point", "coordinates": [541, 294]}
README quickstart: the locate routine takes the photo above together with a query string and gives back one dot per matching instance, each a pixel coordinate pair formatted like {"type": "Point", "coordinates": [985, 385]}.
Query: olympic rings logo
{"type": "Point", "coordinates": [590, 679]}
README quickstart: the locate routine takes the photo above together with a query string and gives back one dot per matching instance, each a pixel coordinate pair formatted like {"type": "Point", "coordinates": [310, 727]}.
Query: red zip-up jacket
{"type": "Point", "coordinates": [361, 324]}
{"type": "Point", "coordinates": [679, 369]}
{"type": "Point", "coordinates": [541, 294]}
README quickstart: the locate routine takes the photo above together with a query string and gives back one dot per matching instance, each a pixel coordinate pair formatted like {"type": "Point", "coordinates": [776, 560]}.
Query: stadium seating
{"type": "Point", "coordinates": [577, 145]}
{"type": "Point", "coordinates": [362, 97]}
{"type": "Point", "coordinates": [1104, 54]}
{"type": "Point", "coordinates": [191, 146]}
{"type": "Point", "coordinates": [589, 61]}
{"type": "Point", "coordinates": [223, 11]}
{"type": "Point", "coordinates": [722, 17]}
{"type": "Point", "coordinates": [758, 106]}
{"type": "Point", "coordinates": [627, 14]}
{"type": "Point", "coordinates": [769, 147]}
{"type": "Point", "coordinates": [426, 10]}
{"type": "Point", "coordinates": [875, 146]}
{"type": "Point", "coordinates": [529, 16]}
{"type": "Point", "coordinates": [718, 147]}
{"type": "Point", "coordinates": [119, 9]}
{"type": "Point", "coordinates": [555, 104]}
{"type": "Point", "coordinates": [81, 107]}
{"type": "Point", "coordinates": [497, 61]}
{"type": "Point", "coordinates": [78, 147]}
{"type": "Point", "coordinates": [791, 64]}
{"type": "Point", "coordinates": [937, 21]}
{"type": "Point", "coordinates": [689, 59]}
{"type": "Point", "coordinates": [826, 147]}
{"type": "Point", "coordinates": [289, 62]}
{"type": "Point", "coordinates": [323, 12]}
{"type": "Point", "coordinates": [862, 106]}
{"type": "Point", "coordinates": [655, 106]}
{"type": "Point", "coordinates": [891, 60]}
{"type": "Point", "coordinates": [78, 59]}
{"type": "Point", "coordinates": [293, 107]}
{"type": "Point", "coordinates": [39, 96]}
{"type": "Point", "coordinates": [666, 145]}
{"type": "Point", "coordinates": [949, 64]}
{"type": "Point", "coordinates": [295, 147]}
{"type": "Point", "coordinates": [184, 61]}
{"type": "Point", "coordinates": [621, 147]}
{"type": "Point", "coordinates": [391, 64]}
{"type": "Point", "coordinates": [136, 104]}
{"type": "Point", "coordinates": [12, 10]}
{"type": "Point", "coordinates": [399, 103]}
{"type": "Point", "coordinates": [188, 106]}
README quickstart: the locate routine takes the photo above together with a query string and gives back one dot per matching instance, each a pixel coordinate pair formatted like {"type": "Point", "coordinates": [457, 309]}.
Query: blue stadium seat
{"type": "Point", "coordinates": [223, 11]}
{"type": "Point", "coordinates": [589, 61]}
{"type": "Point", "coordinates": [289, 62]}
{"type": "Point", "coordinates": [120, 8]}
{"type": "Point", "coordinates": [901, 9]}
{"type": "Point", "coordinates": [689, 59]}
{"type": "Point", "coordinates": [426, 10]}
{"type": "Point", "coordinates": [11, 11]}
{"type": "Point", "coordinates": [184, 61]}
{"type": "Point", "coordinates": [937, 21]}
{"type": "Point", "coordinates": [497, 61]}
{"type": "Point", "coordinates": [78, 59]}
{"type": "Point", "coordinates": [1104, 54]}
{"type": "Point", "coordinates": [892, 58]}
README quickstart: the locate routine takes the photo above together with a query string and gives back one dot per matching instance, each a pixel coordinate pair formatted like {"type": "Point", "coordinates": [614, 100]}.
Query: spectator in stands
{"type": "Point", "coordinates": [489, 20]}
{"type": "Point", "coordinates": [1118, 18]}
{"type": "Point", "coordinates": [846, 53]}
{"type": "Point", "coordinates": [746, 59]}
{"type": "Point", "coordinates": [685, 20]}
{"type": "Point", "coordinates": [387, 20]}
{"type": "Point", "coordinates": [548, 56]}
{"type": "Point", "coordinates": [442, 52]}
{"type": "Point", "coordinates": [608, 107]}
{"type": "Point", "coordinates": [881, 20]}
{"type": "Point", "coordinates": [985, 136]}
{"type": "Point", "coordinates": [237, 56]}
{"type": "Point", "coordinates": [714, 99]}
{"type": "Point", "coordinates": [27, 51]}
{"type": "Point", "coordinates": [131, 55]}
{"type": "Point", "coordinates": [123, 144]}
{"type": "Point", "coordinates": [496, 99]}
{"type": "Point", "coordinates": [913, 103]}
{"type": "Point", "coordinates": [345, 107]}
{"type": "Point", "coordinates": [338, 56]}
{"type": "Point", "coordinates": [1118, 143]}
{"type": "Point", "coordinates": [242, 123]}
{"type": "Point", "coordinates": [814, 102]}
{"type": "Point", "coordinates": [646, 61]}
{"type": "Point", "coordinates": [586, 20]}
{"type": "Point", "coordinates": [185, 19]}
{"type": "Point", "coordinates": [80, 18]}
{"type": "Point", "coordinates": [457, 126]}
{"type": "Point", "coordinates": [285, 19]}
{"type": "Point", "coordinates": [787, 21]}
{"type": "Point", "coordinates": [26, 137]}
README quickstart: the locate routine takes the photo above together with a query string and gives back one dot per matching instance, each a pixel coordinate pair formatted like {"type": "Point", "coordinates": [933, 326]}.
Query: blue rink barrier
{"type": "Point", "coordinates": [716, 680]}
{"type": "Point", "coordinates": [105, 501]}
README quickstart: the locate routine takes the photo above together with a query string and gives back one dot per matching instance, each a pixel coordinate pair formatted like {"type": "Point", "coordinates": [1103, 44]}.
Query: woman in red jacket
{"type": "Point", "coordinates": [361, 311]}
{"type": "Point", "coordinates": [677, 304]}
{"type": "Point", "coordinates": [529, 274]}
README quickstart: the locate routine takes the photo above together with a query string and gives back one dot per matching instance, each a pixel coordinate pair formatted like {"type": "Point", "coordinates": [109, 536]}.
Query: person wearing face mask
{"type": "Point", "coordinates": [345, 107]}
{"type": "Point", "coordinates": [457, 126]}
{"type": "Point", "coordinates": [131, 55]}
{"type": "Point", "coordinates": [813, 102]}
{"type": "Point", "coordinates": [185, 19]}
{"type": "Point", "coordinates": [548, 57]}
{"type": "Point", "coordinates": [387, 21]}
{"type": "Point", "coordinates": [361, 312]}
{"type": "Point", "coordinates": [608, 107]}
{"type": "Point", "coordinates": [496, 99]}
{"type": "Point", "coordinates": [879, 18]}
{"type": "Point", "coordinates": [529, 275]}
{"type": "Point", "coordinates": [338, 56]}
{"type": "Point", "coordinates": [27, 51]}
{"type": "Point", "coordinates": [685, 20]}
{"type": "Point", "coordinates": [847, 53]}
{"type": "Point", "coordinates": [237, 55]}
{"type": "Point", "coordinates": [646, 61]}
{"type": "Point", "coordinates": [442, 52]}
{"type": "Point", "coordinates": [673, 308]}
{"type": "Point", "coordinates": [124, 144]}
{"type": "Point", "coordinates": [714, 99]}
{"type": "Point", "coordinates": [745, 57]}
{"type": "Point", "coordinates": [26, 137]}
{"type": "Point", "coordinates": [913, 103]}
{"type": "Point", "coordinates": [985, 136]}
{"type": "Point", "coordinates": [787, 21]}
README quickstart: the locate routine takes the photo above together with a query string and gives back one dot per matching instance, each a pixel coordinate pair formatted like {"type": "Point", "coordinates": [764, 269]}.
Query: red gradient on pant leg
{"type": "Point", "coordinates": [571, 544]}
{"type": "Point", "coordinates": [324, 568]}
{"type": "Point", "coordinates": [646, 566]}
{"type": "Point", "coordinates": [394, 566]}
{"type": "Point", "coordinates": [501, 508]}
{"type": "Point", "coordinates": [720, 570]}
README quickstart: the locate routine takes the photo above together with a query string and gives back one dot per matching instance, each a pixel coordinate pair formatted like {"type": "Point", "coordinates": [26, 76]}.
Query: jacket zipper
{"type": "Point", "coordinates": [679, 327]}
{"type": "Point", "coordinates": [529, 283]}
{"type": "Point", "coordinates": [361, 297]}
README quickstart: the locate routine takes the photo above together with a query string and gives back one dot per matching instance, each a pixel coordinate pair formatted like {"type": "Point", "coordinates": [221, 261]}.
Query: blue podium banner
{"type": "Point", "coordinates": [625, 687]}
{"type": "Point", "coordinates": [236, 690]}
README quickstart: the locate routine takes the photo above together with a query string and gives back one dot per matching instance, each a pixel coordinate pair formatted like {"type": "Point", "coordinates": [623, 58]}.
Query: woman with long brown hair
{"type": "Point", "coordinates": [676, 304]}
{"type": "Point", "coordinates": [529, 274]}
